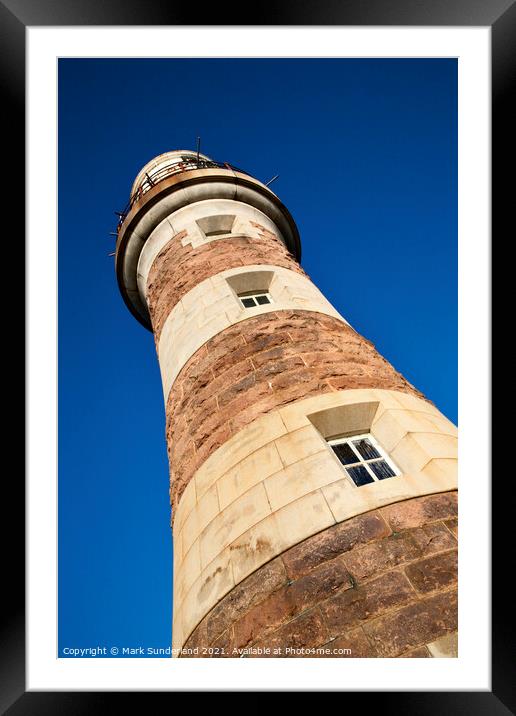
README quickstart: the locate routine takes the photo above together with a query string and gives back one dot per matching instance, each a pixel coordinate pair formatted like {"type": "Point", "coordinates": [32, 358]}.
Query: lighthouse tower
{"type": "Point", "coordinates": [313, 488]}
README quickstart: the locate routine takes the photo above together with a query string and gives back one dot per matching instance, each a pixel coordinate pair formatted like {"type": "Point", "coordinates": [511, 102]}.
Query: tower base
{"type": "Point", "coordinates": [382, 584]}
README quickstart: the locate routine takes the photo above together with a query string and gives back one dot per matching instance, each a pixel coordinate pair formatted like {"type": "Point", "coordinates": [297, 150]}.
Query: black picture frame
{"type": "Point", "coordinates": [15, 16]}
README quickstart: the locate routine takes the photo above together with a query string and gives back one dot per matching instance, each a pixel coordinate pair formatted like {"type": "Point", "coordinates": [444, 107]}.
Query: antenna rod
{"type": "Point", "coordinates": [271, 180]}
{"type": "Point", "coordinates": [198, 148]}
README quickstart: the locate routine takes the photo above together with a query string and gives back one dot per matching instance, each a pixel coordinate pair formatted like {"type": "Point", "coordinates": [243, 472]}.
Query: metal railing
{"type": "Point", "coordinates": [180, 167]}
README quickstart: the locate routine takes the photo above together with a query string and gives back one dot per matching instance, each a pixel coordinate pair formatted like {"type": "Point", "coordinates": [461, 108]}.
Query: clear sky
{"type": "Point", "coordinates": [366, 151]}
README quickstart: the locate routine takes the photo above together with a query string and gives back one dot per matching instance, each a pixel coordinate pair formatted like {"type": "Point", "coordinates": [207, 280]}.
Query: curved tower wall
{"type": "Point", "coordinates": [274, 545]}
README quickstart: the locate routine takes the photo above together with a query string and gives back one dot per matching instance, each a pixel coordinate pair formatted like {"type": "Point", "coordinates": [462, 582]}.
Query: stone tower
{"type": "Point", "coordinates": [313, 489]}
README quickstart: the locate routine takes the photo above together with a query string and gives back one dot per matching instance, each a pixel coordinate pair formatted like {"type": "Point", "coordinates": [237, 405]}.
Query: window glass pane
{"type": "Point", "coordinates": [366, 449]}
{"type": "Point", "coordinates": [262, 299]}
{"type": "Point", "coordinates": [381, 469]}
{"type": "Point", "coordinates": [344, 453]}
{"type": "Point", "coordinates": [248, 302]}
{"type": "Point", "coordinates": [359, 475]}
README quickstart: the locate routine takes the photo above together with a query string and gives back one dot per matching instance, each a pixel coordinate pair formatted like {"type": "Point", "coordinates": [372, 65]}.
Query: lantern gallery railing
{"type": "Point", "coordinates": [186, 164]}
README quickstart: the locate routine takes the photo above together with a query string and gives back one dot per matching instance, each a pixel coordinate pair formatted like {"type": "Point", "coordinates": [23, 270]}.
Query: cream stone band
{"type": "Point", "coordinates": [213, 305]}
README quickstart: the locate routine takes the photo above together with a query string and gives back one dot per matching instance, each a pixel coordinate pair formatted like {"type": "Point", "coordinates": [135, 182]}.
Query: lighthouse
{"type": "Point", "coordinates": [313, 489]}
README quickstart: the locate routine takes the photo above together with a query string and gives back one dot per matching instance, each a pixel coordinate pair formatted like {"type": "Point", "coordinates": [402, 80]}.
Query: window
{"type": "Point", "coordinates": [363, 459]}
{"type": "Point", "coordinates": [252, 285]}
{"type": "Point", "coordinates": [251, 300]}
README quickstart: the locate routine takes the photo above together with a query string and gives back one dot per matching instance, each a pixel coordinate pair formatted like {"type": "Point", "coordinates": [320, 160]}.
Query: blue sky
{"type": "Point", "coordinates": [366, 151]}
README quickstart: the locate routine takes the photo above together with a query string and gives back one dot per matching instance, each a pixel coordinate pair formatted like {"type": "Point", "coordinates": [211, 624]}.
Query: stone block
{"type": "Point", "coordinates": [368, 561]}
{"type": "Point", "coordinates": [251, 470]}
{"type": "Point", "coordinates": [446, 647]}
{"type": "Point", "coordinates": [436, 572]}
{"type": "Point", "coordinates": [233, 521]}
{"type": "Point", "coordinates": [333, 542]}
{"type": "Point", "coordinates": [263, 619]}
{"type": "Point", "coordinates": [247, 594]}
{"type": "Point", "coordinates": [442, 472]}
{"type": "Point", "coordinates": [319, 584]}
{"type": "Point", "coordinates": [299, 444]}
{"type": "Point", "coordinates": [215, 581]}
{"type": "Point", "coordinates": [353, 607]}
{"type": "Point", "coordinates": [307, 631]}
{"type": "Point", "coordinates": [415, 450]}
{"type": "Point", "coordinates": [295, 416]}
{"type": "Point", "coordinates": [255, 547]}
{"type": "Point", "coordinates": [414, 625]}
{"type": "Point", "coordinates": [433, 537]}
{"type": "Point", "coordinates": [453, 526]}
{"type": "Point", "coordinates": [420, 511]}
{"type": "Point", "coordinates": [302, 518]}
{"type": "Point", "coordinates": [185, 506]}
{"type": "Point", "coordinates": [256, 435]}
{"type": "Point", "coordinates": [301, 478]}
{"type": "Point", "coordinates": [207, 508]}
{"type": "Point", "coordinates": [188, 571]}
{"type": "Point", "coordinates": [355, 642]}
